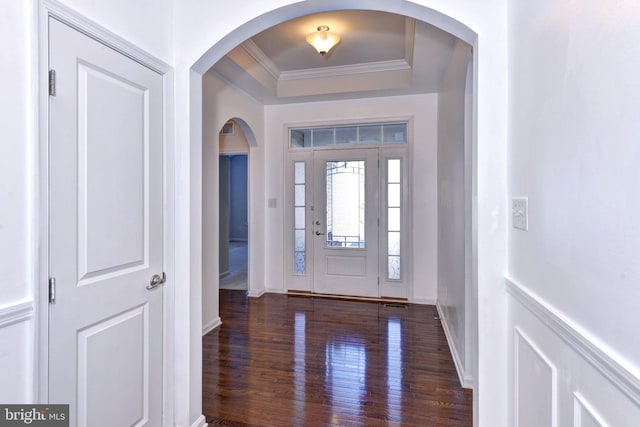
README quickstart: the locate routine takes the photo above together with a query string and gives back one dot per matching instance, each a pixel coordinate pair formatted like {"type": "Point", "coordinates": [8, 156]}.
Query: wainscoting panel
{"type": "Point", "coordinates": [16, 353]}
{"type": "Point", "coordinates": [560, 375]}
{"type": "Point", "coordinates": [584, 414]}
{"type": "Point", "coordinates": [534, 385]}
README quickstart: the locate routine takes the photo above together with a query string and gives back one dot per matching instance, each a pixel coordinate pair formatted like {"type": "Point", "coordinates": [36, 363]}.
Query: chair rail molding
{"type": "Point", "coordinates": [16, 312]}
{"type": "Point", "coordinates": [605, 360]}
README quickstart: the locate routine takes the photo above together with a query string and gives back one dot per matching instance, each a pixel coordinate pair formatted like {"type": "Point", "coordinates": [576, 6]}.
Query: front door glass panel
{"type": "Point", "coordinates": [345, 204]}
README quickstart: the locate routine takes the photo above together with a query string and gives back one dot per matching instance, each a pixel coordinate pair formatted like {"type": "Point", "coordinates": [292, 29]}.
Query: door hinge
{"type": "Point", "coordinates": [52, 290]}
{"type": "Point", "coordinates": [52, 82]}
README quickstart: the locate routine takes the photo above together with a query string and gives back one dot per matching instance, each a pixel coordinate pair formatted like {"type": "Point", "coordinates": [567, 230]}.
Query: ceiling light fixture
{"type": "Point", "coordinates": [323, 40]}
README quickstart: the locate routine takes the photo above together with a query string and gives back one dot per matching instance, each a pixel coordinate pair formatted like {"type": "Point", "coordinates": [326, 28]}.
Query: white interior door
{"type": "Point", "coordinates": [345, 222]}
{"type": "Point", "coordinates": [106, 241]}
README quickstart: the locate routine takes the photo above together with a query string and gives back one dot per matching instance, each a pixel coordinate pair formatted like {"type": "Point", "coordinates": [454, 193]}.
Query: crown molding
{"type": "Point", "coordinates": [345, 70]}
{"type": "Point", "coordinates": [261, 58]}
{"type": "Point", "coordinates": [409, 39]}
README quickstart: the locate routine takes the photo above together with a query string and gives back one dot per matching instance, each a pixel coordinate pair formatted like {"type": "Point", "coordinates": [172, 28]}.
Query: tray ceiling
{"type": "Point", "coordinates": [380, 54]}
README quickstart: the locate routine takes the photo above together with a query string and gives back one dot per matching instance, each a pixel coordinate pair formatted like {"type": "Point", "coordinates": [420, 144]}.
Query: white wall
{"type": "Point", "coordinates": [221, 103]}
{"type": "Point", "coordinates": [423, 109]}
{"type": "Point", "coordinates": [452, 215]}
{"type": "Point", "coordinates": [16, 199]}
{"type": "Point", "coordinates": [574, 152]}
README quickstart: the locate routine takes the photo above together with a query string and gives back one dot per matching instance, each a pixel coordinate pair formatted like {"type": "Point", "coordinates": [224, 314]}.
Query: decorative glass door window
{"type": "Point", "coordinates": [394, 198]}
{"type": "Point", "coordinates": [299, 202]}
{"type": "Point", "coordinates": [345, 204]}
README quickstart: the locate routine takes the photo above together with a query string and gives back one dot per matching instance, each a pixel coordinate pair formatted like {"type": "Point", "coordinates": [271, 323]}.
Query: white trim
{"type": "Point", "coordinates": [610, 364]}
{"type": "Point", "coordinates": [261, 58]}
{"type": "Point", "coordinates": [579, 403]}
{"type": "Point", "coordinates": [211, 325]}
{"type": "Point", "coordinates": [392, 65]}
{"type": "Point", "coordinates": [255, 294]}
{"type": "Point", "coordinates": [70, 17]}
{"type": "Point", "coordinates": [274, 291]}
{"type": "Point", "coordinates": [466, 380]}
{"type": "Point", "coordinates": [200, 422]}
{"type": "Point", "coordinates": [346, 70]}
{"type": "Point", "coordinates": [53, 9]}
{"type": "Point", "coordinates": [16, 312]}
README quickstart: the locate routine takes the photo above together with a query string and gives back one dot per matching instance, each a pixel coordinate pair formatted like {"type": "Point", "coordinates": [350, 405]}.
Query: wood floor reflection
{"type": "Point", "coordinates": [299, 361]}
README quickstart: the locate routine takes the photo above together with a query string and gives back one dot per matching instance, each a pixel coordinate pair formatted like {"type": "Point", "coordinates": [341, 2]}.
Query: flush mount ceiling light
{"type": "Point", "coordinates": [323, 40]}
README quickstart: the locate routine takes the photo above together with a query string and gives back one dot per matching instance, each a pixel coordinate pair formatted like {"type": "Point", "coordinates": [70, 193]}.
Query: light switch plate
{"type": "Point", "coordinates": [520, 213]}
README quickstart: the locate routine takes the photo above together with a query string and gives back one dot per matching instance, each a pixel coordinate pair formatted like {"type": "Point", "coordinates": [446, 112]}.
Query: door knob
{"type": "Point", "coordinates": [317, 222]}
{"type": "Point", "coordinates": [156, 281]}
{"type": "Point", "coordinates": [318, 233]}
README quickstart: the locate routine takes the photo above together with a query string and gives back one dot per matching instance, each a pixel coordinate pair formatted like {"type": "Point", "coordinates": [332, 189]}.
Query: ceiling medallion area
{"type": "Point", "coordinates": [323, 40]}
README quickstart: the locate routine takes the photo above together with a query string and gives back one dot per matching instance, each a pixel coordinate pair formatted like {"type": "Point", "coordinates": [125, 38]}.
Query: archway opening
{"type": "Point", "coordinates": [226, 210]}
{"type": "Point", "coordinates": [281, 15]}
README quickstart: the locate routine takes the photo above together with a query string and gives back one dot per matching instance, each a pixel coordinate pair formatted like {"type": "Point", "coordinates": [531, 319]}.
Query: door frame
{"type": "Point", "coordinates": [385, 151]}
{"type": "Point", "coordinates": [45, 10]}
{"type": "Point", "coordinates": [319, 199]}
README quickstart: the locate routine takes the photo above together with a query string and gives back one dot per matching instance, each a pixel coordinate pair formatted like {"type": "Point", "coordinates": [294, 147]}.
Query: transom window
{"type": "Point", "coordinates": [349, 135]}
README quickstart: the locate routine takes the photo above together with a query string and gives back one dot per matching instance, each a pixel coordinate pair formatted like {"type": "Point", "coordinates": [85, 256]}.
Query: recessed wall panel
{"type": "Point", "coordinates": [113, 371]}
{"type": "Point", "coordinates": [584, 414]}
{"type": "Point", "coordinates": [112, 172]}
{"type": "Point", "coordinates": [535, 385]}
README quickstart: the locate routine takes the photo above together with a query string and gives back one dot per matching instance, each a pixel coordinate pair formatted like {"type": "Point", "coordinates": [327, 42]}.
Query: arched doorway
{"type": "Point", "coordinates": [213, 232]}
{"type": "Point", "coordinates": [491, 193]}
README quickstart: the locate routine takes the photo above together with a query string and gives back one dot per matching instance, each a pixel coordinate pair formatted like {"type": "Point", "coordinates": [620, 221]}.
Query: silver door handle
{"type": "Point", "coordinates": [318, 233]}
{"type": "Point", "coordinates": [156, 281]}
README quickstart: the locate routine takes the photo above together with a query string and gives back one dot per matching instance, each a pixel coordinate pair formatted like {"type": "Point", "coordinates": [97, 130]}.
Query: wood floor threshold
{"type": "Point", "coordinates": [306, 294]}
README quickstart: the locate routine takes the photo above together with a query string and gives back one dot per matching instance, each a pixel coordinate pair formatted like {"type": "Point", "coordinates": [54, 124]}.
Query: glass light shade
{"type": "Point", "coordinates": [323, 40]}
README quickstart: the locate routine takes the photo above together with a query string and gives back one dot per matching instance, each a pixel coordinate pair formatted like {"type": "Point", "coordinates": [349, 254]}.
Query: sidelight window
{"type": "Point", "coordinates": [300, 244]}
{"type": "Point", "coordinates": [394, 215]}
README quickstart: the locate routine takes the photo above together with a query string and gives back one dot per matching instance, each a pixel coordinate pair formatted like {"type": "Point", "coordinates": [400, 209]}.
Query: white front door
{"type": "Point", "coordinates": [106, 234]}
{"type": "Point", "coordinates": [345, 222]}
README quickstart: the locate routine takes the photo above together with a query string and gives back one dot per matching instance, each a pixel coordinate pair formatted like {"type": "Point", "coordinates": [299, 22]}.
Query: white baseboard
{"type": "Point", "coordinates": [606, 361]}
{"type": "Point", "coordinates": [466, 381]}
{"type": "Point", "coordinates": [256, 294]}
{"type": "Point", "coordinates": [200, 422]}
{"type": "Point", "coordinates": [211, 325]}
{"type": "Point", "coordinates": [16, 312]}
{"type": "Point", "coordinates": [275, 291]}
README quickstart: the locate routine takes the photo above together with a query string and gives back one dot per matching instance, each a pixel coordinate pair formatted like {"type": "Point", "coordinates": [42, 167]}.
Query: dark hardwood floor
{"type": "Point", "coordinates": [300, 361]}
